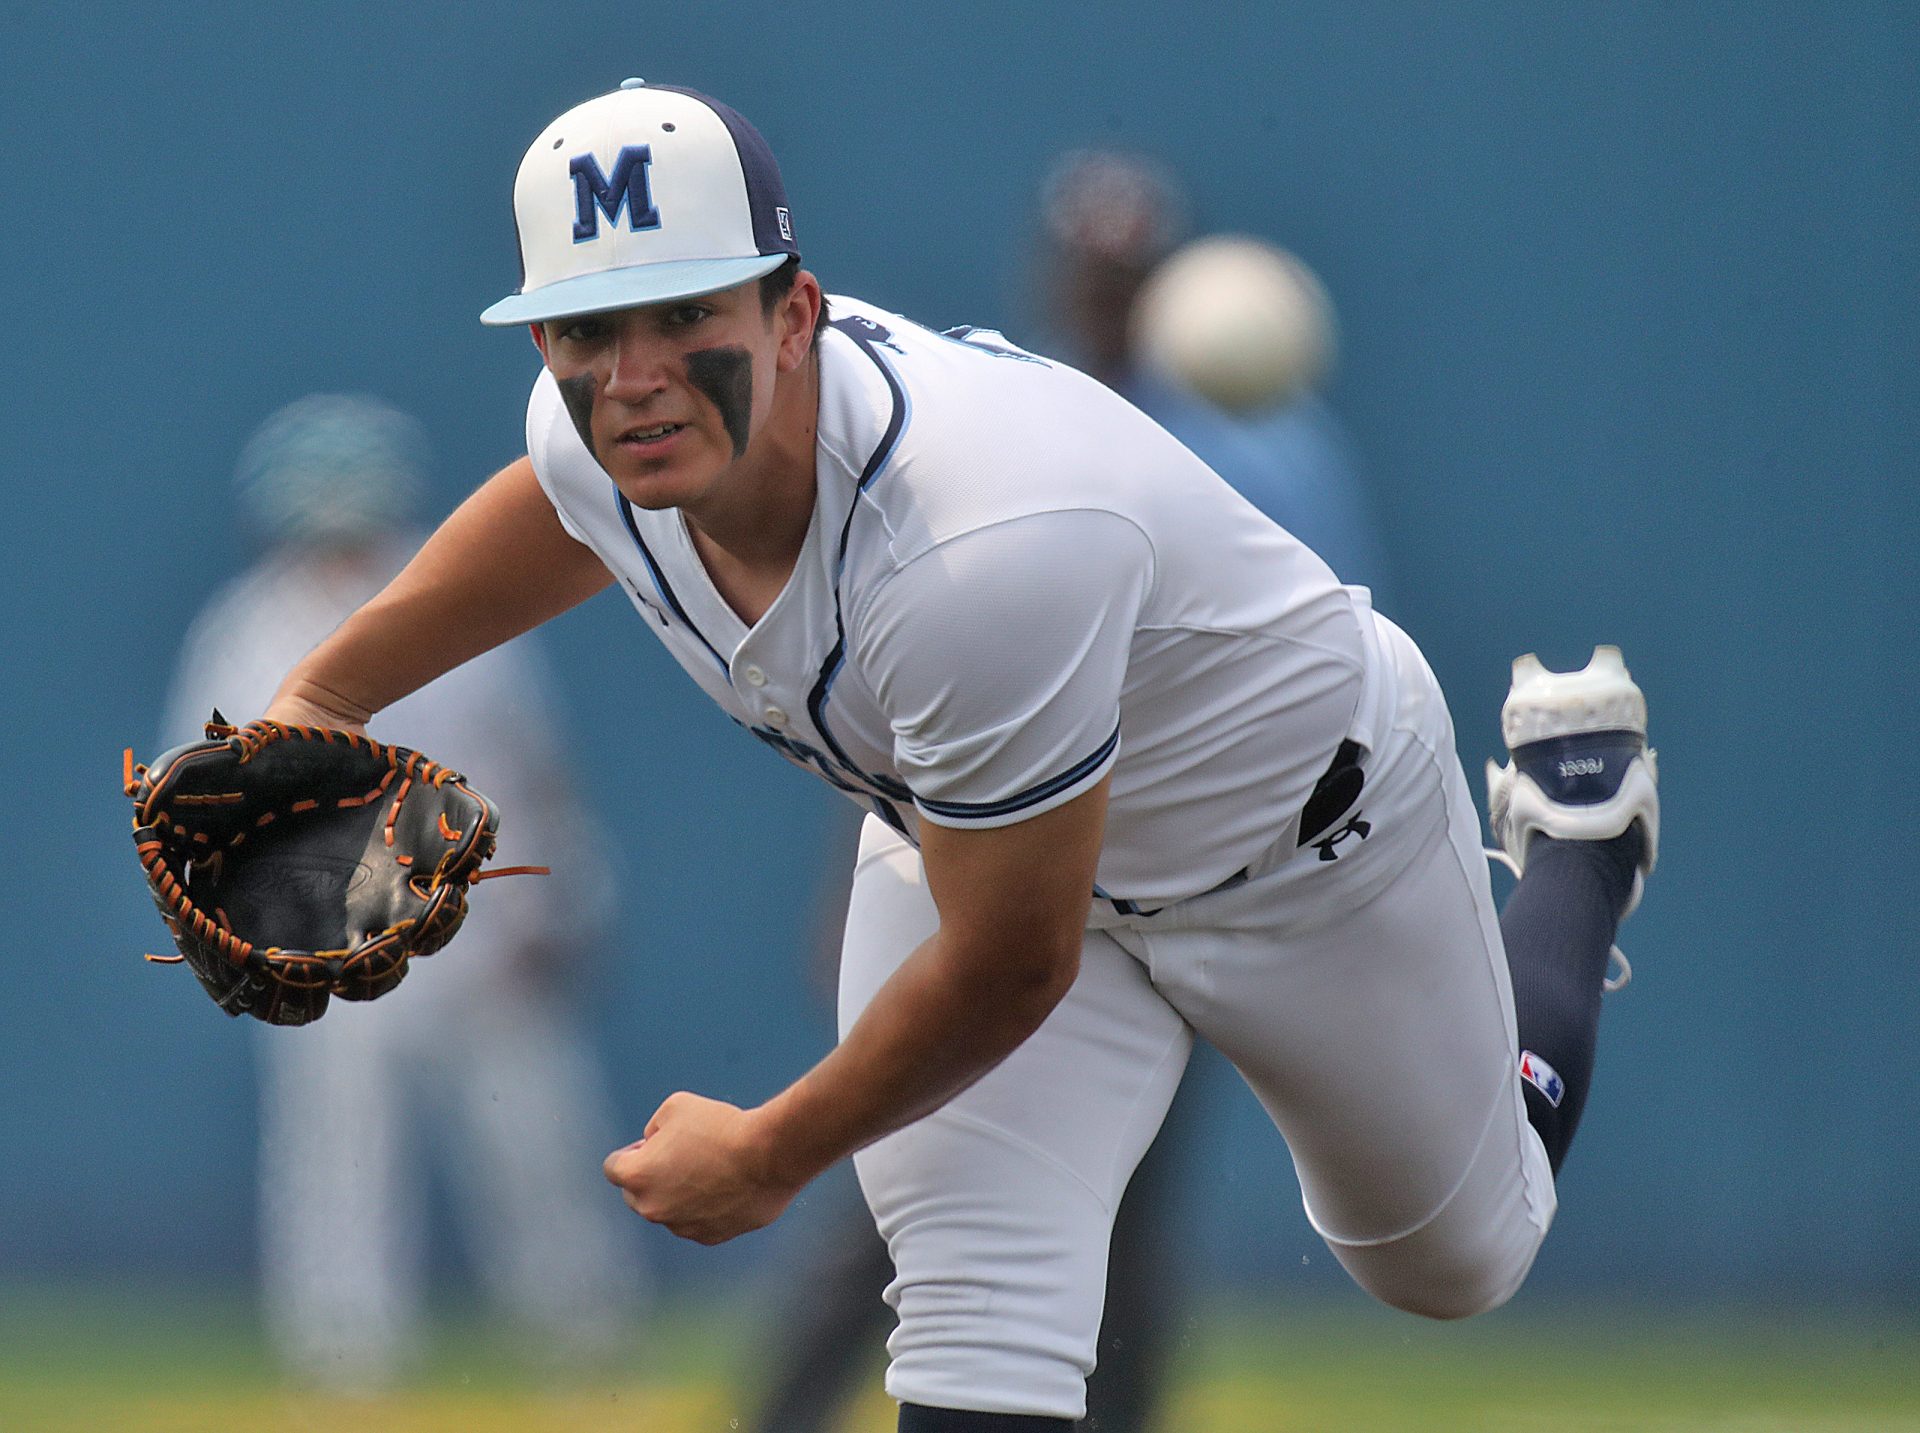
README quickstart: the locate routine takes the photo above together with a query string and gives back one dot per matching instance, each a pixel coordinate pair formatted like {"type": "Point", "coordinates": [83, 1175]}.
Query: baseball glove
{"type": "Point", "coordinates": [295, 863]}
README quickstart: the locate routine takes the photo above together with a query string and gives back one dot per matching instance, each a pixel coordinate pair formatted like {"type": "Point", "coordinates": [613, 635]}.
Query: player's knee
{"type": "Point", "coordinates": [1449, 1289]}
{"type": "Point", "coordinates": [1445, 1270]}
{"type": "Point", "coordinates": [1470, 1255]}
{"type": "Point", "coordinates": [1448, 1294]}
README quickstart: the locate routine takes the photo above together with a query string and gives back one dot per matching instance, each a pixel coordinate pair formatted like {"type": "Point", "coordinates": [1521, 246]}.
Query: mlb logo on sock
{"type": "Point", "coordinates": [1538, 1073]}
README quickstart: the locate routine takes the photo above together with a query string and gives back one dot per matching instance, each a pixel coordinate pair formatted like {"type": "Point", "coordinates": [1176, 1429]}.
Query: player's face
{"type": "Point", "coordinates": [668, 397]}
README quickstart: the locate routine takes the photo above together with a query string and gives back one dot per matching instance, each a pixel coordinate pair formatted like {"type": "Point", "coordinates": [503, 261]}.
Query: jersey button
{"type": "Point", "coordinates": [755, 677]}
{"type": "Point", "coordinates": [775, 718]}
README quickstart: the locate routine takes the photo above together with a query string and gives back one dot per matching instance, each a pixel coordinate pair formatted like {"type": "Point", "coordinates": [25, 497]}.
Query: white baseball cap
{"type": "Point", "coordinates": [646, 194]}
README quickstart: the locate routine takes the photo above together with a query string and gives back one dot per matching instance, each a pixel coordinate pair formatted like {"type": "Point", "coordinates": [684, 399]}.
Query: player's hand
{"type": "Point", "coordinates": [701, 1171]}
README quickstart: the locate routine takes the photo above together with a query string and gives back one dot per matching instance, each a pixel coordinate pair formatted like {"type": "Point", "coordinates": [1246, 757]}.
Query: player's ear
{"type": "Point", "coordinates": [539, 332]}
{"type": "Point", "coordinates": [799, 311]}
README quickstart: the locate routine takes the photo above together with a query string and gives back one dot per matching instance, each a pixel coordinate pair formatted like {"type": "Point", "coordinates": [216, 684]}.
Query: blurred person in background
{"type": "Point", "coordinates": [481, 1061]}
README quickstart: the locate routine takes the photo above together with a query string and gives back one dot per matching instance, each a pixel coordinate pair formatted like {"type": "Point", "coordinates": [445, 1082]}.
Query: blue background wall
{"type": "Point", "coordinates": [1628, 298]}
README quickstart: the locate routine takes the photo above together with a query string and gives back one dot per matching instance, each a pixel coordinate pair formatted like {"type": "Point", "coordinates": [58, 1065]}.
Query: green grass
{"type": "Point", "coordinates": [1605, 1370]}
{"type": "Point", "coordinates": [160, 1361]}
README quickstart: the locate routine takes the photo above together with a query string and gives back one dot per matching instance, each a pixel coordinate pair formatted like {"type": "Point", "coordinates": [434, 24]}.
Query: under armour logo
{"type": "Point", "coordinates": [1354, 827]}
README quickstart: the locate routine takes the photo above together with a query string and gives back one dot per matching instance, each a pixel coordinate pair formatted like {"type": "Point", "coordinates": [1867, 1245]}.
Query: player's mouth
{"type": "Point", "coordinates": [650, 438]}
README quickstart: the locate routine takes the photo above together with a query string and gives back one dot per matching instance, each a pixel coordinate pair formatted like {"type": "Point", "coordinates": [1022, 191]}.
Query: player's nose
{"type": "Point", "coordinates": [639, 364]}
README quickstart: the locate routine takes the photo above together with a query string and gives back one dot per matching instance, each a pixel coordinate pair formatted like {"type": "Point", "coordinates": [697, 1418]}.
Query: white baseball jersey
{"type": "Point", "coordinates": [1013, 584]}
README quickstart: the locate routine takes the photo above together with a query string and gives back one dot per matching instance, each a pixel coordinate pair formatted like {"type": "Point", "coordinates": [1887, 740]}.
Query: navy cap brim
{"type": "Point", "coordinates": [612, 289]}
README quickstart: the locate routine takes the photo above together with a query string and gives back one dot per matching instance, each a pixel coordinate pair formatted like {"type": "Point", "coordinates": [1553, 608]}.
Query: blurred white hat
{"type": "Point", "coordinates": [1237, 320]}
{"type": "Point", "coordinates": [332, 468]}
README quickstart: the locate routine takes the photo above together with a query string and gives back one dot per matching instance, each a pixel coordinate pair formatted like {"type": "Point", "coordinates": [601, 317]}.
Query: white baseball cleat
{"type": "Point", "coordinates": [1581, 767]}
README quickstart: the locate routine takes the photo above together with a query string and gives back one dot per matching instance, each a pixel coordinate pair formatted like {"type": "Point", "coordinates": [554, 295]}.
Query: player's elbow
{"type": "Point", "coordinates": [1055, 966]}
{"type": "Point", "coordinates": [1029, 974]}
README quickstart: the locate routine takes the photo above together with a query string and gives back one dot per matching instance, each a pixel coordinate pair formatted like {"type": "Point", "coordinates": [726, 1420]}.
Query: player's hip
{"type": "Point", "coordinates": [1382, 800]}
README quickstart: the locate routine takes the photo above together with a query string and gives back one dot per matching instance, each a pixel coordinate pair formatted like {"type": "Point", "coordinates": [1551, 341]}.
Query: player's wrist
{"type": "Point", "coordinates": [303, 702]}
{"type": "Point", "coordinates": [780, 1148]}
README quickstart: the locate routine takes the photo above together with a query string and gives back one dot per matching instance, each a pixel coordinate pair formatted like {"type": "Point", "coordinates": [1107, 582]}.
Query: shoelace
{"type": "Point", "coordinates": [1616, 958]}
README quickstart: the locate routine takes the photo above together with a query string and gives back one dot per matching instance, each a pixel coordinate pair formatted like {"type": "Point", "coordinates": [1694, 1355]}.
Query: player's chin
{"type": "Point", "coordinates": [653, 482]}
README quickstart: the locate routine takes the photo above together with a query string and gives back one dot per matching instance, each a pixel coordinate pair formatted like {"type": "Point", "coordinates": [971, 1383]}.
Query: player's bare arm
{"type": "Point", "coordinates": [499, 566]}
{"type": "Point", "coordinates": [1013, 906]}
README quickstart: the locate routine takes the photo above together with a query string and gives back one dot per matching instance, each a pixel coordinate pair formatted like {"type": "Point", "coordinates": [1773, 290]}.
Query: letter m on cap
{"type": "Point", "coordinates": [594, 193]}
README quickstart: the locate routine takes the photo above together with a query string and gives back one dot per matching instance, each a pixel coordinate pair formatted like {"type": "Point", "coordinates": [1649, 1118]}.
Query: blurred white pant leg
{"type": "Point", "coordinates": [523, 1102]}
{"type": "Point", "coordinates": [1366, 1001]}
{"type": "Point", "coordinates": [339, 1217]}
{"type": "Point", "coordinates": [998, 1208]}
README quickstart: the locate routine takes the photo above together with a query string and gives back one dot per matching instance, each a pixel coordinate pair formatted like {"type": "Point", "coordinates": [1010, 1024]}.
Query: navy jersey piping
{"type": "Point", "coordinates": [662, 586]}
{"type": "Point", "coordinates": [888, 813]}
{"type": "Point", "coordinates": [1032, 796]}
{"type": "Point", "coordinates": [883, 451]}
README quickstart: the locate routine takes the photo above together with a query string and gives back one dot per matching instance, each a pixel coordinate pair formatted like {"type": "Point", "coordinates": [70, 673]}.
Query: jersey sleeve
{"type": "Point", "coordinates": [554, 446]}
{"type": "Point", "coordinates": [999, 656]}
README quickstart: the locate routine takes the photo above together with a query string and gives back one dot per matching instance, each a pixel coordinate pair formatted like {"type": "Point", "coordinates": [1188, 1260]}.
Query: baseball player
{"type": "Point", "coordinates": [1138, 767]}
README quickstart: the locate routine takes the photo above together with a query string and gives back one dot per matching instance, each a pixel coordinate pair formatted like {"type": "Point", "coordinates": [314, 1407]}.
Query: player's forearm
{"type": "Point", "coordinates": [501, 564]}
{"type": "Point", "coordinates": [1013, 910]}
{"type": "Point", "coordinates": [947, 1016]}
{"type": "Point", "coordinates": [377, 656]}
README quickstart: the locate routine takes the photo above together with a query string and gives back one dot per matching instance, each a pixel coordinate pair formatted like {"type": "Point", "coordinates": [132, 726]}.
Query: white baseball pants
{"type": "Point", "coordinates": [1365, 1000]}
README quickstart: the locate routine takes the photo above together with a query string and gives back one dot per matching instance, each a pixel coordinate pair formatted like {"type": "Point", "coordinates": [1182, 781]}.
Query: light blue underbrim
{"type": "Point", "coordinates": [630, 287]}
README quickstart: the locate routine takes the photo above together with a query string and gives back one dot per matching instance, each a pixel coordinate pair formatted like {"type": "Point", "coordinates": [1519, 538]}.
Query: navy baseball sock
{"type": "Point", "coordinates": [917, 1419]}
{"type": "Point", "coordinates": [1558, 927]}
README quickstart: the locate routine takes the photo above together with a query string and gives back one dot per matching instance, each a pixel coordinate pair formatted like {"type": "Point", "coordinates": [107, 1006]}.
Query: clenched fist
{"type": "Point", "coordinates": [701, 1170]}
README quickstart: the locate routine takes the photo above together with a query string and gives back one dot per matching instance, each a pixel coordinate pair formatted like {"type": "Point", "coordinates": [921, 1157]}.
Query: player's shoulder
{"type": "Point", "coordinates": [947, 431]}
{"type": "Point", "coordinates": [934, 364]}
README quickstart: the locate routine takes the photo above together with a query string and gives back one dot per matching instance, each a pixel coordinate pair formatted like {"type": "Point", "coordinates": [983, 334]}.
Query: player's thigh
{"type": "Point", "coordinates": [998, 1207]}
{"type": "Point", "coordinates": [1382, 1044]}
